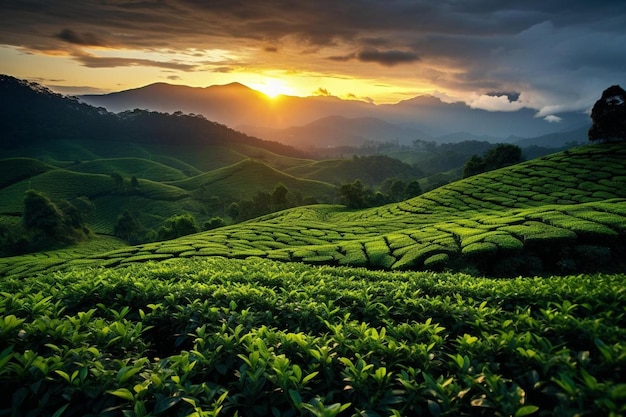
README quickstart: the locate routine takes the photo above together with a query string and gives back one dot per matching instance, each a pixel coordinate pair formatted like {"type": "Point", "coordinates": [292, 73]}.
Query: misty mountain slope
{"type": "Point", "coordinates": [239, 106]}
{"type": "Point", "coordinates": [31, 115]}
{"type": "Point", "coordinates": [333, 131]}
{"type": "Point", "coordinates": [558, 214]}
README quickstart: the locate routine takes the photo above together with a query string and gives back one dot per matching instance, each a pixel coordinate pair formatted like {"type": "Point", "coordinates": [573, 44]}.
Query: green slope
{"type": "Point", "coordinates": [128, 167]}
{"type": "Point", "coordinates": [14, 170]}
{"type": "Point", "coordinates": [561, 213]}
{"type": "Point", "coordinates": [246, 178]}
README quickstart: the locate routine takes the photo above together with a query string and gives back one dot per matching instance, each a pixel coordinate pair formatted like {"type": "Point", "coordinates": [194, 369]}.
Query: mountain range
{"type": "Point", "coordinates": [323, 120]}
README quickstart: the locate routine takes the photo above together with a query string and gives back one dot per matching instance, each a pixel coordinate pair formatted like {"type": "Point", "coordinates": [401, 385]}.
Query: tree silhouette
{"type": "Point", "coordinates": [608, 116]}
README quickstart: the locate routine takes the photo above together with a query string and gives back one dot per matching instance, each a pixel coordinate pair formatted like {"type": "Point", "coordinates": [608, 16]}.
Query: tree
{"type": "Point", "coordinates": [475, 165]}
{"type": "Point", "coordinates": [134, 183]}
{"type": "Point", "coordinates": [117, 179]}
{"type": "Point", "coordinates": [353, 194]}
{"type": "Point", "coordinates": [41, 214]}
{"type": "Point", "coordinates": [177, 226]}
{"type": "Point", "coordinates": [129, 228]}
{"type": "Point", "coordinates": [608, 116]}
{"type": "Point", "coordinates": [499, 156]}
{"type": "Point", "coordinates": [413, 189]}
{"type": "Point", "coordinates": [279, 197]}
{"type": "Point", "coordinates": [214, 223]}
{"type": "Point", "coordinates": [397, 190]}
{"type": "Point", "coordinates": [233, 210]}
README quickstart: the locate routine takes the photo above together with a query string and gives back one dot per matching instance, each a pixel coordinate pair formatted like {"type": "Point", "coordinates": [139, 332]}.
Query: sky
{"type": "Point", "coordinates": [548, 55]}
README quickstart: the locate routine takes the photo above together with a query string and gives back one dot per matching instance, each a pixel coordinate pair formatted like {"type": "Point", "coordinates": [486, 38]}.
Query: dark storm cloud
{"type": "Point", "coordinates": [85, 39]}
{"type": "Point", "coordinates": [543, 49]}
{"type": "Point", "coordinates": [387, 58]}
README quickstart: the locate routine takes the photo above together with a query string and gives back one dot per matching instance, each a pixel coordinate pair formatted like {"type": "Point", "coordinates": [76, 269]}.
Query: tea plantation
{"type": "Point", "coordinates": [324, 311]}
{"type": "Point", "coordinates": [564, 213]}
{"type": "Point", "coordinates": [216, 336]}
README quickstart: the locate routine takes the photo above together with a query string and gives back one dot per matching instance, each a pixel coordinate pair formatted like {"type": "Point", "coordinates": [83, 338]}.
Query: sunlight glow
{"type": "Point", "coordinates": [273, 87]}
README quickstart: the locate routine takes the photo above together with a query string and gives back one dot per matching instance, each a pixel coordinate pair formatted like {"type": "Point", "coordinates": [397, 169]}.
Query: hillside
{"type": "Point", "coordinates": [561, 213]}
{"type": "Point", "coordinates": [245, 178]}
{"type": "Point", "coordinates": [162, 191]}
{"type": "Point", "coordinates": [31, 115]}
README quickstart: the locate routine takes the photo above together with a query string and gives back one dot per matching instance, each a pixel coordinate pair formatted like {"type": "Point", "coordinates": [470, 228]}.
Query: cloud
{"type": "Point", "coordinates": [559, 55]}
{"type": "Point", "coordinates": [321, 92]}
{"type": "Point", "coordinates": [387, 58]}
{"type": "Point", "coordinates": [92, 61]}
{"type": "Point", "coordinates": [552, 119]}
{"type": "Point", "coordinates": [494, 102]}
{"type": "Point", "coordinates": [85, 39]}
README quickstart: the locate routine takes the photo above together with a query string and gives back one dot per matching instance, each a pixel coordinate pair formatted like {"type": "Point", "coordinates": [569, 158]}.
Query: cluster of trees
{"type": "Point", "coordinates": [357, 195]}
{"type": "Point", "coordinates": [130, 228]}
{"type": "Point", "coordinates": [499, 156]}
{"type": "Point", "coordinates": [263, 202]}
{"type": "Point", "coordinates": [46, 224]}
{"type": "Point", "coordinates": [374, 169]}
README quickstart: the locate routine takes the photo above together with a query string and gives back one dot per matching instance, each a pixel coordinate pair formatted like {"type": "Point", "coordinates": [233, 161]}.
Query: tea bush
{"type": "Point", "coordinates": [213, 336]}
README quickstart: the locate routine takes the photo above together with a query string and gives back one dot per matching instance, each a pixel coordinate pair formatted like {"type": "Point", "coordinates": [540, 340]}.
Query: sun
{"type": "Point", "coordinates": [273, 87]}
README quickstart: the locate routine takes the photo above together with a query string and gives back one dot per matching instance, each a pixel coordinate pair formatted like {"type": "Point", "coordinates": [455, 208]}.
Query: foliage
{"type": "Point", "coordinates": [214, 223]}
{"type": "Point", "coordinates": [254, 338]}
{"type": "Point", "coordinates": [129, 228]}
{"type": "Point", "coordinates": [46, 224]}
{"type": "Point", "coordinates": [609, 116]}
{"type": "Point", "coordinates": [501, 155]}
{"type": "Point", "coordinates": [353, 194]}
{"type": "Point", "coordinates": [177, 226]}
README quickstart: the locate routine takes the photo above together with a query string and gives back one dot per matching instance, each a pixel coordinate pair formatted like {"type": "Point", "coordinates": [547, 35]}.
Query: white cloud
{"type": "Point", "coordinates": [552, 118]}
{"type": "Point", "coordinates": [493, 103]}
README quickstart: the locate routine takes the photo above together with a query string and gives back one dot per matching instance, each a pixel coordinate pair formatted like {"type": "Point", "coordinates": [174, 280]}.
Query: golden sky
{"type": "Point", "coordinates": [549, 56]}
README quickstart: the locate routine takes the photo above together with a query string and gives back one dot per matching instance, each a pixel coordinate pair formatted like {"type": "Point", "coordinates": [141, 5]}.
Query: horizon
{"type": "Point", "coordinates": [496, 57]}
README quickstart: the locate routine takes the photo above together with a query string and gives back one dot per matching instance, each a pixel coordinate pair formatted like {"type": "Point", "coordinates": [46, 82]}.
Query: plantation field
{"type": "Point", "coordinates": [244, 179]}
{"type": "Point", "coordinates": [216, 336]}
{"type": "Point", "coordinates": [159, 194]}
{"type": "Point", "coordinates": [127, 167]}
{"type": "Point", "coordinates": [558, 214]}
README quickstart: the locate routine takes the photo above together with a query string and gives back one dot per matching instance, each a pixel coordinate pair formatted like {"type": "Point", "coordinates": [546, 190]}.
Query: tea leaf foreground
{"type": "Point", "coordinates": [256, 337]}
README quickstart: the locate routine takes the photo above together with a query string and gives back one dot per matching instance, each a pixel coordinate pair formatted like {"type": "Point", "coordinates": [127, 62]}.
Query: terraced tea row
{"type": "Point", "coordinates": [517, 220]}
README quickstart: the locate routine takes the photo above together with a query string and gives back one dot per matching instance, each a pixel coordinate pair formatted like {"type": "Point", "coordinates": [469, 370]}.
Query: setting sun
{"type": "Point", "coordinates": [273, 87]}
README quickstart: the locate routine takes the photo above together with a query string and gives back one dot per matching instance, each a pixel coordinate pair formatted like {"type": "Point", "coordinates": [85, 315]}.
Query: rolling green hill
{"type": "Point", "coordinates": [162, 191]}
{"type": "Point", "coordinates": [128, 167]}
{"type": "Point", "coordinates": [561, 213]}
{"type": "Point", "coordinates": [245, 178]}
